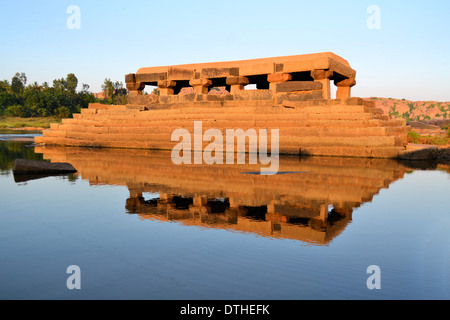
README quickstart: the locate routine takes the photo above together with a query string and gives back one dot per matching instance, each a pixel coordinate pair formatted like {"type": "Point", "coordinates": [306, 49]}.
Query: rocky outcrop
{"type": "Point", "coordinates": [29, 167]}
{"type": "Point", "coordinates": [432, 112]}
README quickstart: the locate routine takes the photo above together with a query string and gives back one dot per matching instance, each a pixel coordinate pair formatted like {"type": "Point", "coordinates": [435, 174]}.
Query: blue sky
{"type": "Point", "coordinates": [406, 58]}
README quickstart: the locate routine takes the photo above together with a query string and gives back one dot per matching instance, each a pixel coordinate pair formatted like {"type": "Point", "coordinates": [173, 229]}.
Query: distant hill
{"type": "Point", "coordinates": [424, 111]}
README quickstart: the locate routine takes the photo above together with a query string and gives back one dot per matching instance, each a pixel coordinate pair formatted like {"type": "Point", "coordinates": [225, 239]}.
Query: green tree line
{"type": "Point", "coordinates": [61, 99]}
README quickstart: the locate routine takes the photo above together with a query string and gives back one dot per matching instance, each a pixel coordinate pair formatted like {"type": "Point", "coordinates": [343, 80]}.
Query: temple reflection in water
{"type": "Point", "coordinates": [312, 203]}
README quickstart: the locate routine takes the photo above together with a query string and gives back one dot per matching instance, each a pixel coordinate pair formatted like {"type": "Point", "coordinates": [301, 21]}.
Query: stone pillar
{"type": "Point", "coordinates": [165, 196]}
{"type": "Point", "coordinates": [166, 87]}
{"type": "Point", "coordinates": [234, 204]}
{"type": "Point", "coordinates": [201, 86]}
{"type": "Point", "coordinates": [135, 193]}
{"type": "Point", "coordinates": [200, 201]}
{"type": "Point", "coordinates": [237, 83]}
{"type": "Point", "coordinates": [323, 212]}
{"type": "Point", "coordinates": [275, 78]}
{"type": "Point", "coordinates": [134, 88]}
{"type": "Point", "coordinates": [344, 90]}
{"type": "Point", "coordinates": [323, 76]}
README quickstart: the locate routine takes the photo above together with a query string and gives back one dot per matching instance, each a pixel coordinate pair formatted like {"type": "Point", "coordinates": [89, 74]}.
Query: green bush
{"type": "Point", "coordinates": [37, 111]}
{"type": "Point", "coordinates": [413, 137]}
{"type": "Point", "coordinates": [17, 111]}
{"type": "Point", "coordinates": [63, 112]}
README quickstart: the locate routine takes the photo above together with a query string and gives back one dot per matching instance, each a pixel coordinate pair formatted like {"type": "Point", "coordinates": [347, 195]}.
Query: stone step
{"type": "Point", "coordinates": [300, 141]}
{"type": "Point", "coordinates": [80, 121]}
{"type": "Point", "coordinates": [238, 123]}
{"type": "Point", "coordinates": [339, 151]}
{"type": "Point", "coordinates": [241, 117]}
{"type": "Point", "coordinates": [99, 106]}
{"type": "Point", "coordinates": [284, 130]}
{"type": "Point", "coordinates": [83, 128]}
{"type": "Point", "coordinates": [54, 134]}
{"type": "Point", "coordinates": [267, 110]}
{"type": "Point", "coordinates": [323, 135]}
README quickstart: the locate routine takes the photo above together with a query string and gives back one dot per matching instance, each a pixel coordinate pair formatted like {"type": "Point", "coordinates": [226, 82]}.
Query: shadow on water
{"type": "Point", "coordinates": [312, 201]}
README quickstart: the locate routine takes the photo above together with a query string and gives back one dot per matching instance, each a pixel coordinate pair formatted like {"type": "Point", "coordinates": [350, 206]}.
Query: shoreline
{"type": "Point", "coordinates": [34, 129]}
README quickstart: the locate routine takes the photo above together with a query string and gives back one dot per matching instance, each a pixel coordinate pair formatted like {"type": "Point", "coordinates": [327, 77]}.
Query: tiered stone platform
{"type": "Point", "coordinates": [292, 94]}
{"type": "Point", "coordinates": [349, 127]}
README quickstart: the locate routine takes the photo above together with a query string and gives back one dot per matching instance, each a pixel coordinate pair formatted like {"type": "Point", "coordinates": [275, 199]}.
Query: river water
{"type": "Point", "coordinates": [139, 227]}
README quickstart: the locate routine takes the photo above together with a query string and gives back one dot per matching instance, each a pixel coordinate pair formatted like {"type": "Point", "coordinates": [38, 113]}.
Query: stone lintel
{"type": "Point", "coordinates": [279, 77]}
{"type": "Point", "coordinates": [292, 86]}
{"type": "Point", "coordinates": [151, 77]}
{"type": "Point", "coordinates": [234, 81]}
{"type": "Point", "coordinates": [346, 83]}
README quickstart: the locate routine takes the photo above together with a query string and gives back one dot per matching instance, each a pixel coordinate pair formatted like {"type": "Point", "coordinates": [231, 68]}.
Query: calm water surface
{"type": "Point", "coordinates": [140, 227]}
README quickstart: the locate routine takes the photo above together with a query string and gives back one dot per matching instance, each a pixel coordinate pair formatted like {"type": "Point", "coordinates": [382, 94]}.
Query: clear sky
{"type": "Point", "coordinates": [406, 57]}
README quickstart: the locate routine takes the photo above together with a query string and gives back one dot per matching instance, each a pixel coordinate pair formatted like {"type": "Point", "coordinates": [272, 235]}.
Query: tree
{"type": "Point", "coordinates": [85, 88]}
{"type": "Point", "coordinates": [18, 83]}
{"type": "Point", "coordinates": [71, 83]}
{"type": "Point", "coordinates": [114, 91]}
{"type": "Point", "coordinates": [85, 96]}
{"type": "Point", "coordinates": [6, 98]}
{"type": "Point", "coordinates": [108, 89]}
{"type": "Point", "coordinates": [71, 86]}
{"type": "Point", "coordinates": [4, 86]}
{"type": "Point", "coordinates": [60, 85]}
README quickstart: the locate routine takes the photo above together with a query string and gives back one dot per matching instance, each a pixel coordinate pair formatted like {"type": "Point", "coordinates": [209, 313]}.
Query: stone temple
{"type": "Point", "coordinates": [292, 94]}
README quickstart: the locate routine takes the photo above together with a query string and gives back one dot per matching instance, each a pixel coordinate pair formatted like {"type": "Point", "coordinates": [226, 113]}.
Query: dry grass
{"type": "Point", "coordinates": [13, 122]}
{"type": "Point", "coordinates": [414, 137]}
